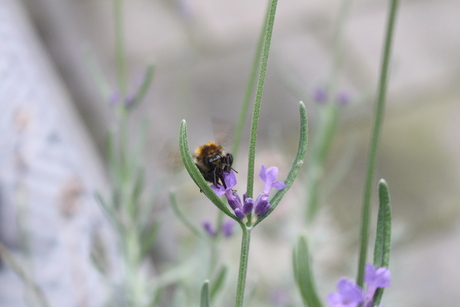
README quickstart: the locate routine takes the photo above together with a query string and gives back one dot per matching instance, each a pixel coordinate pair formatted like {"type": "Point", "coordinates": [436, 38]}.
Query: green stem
{"type": "Point", "coordinates": [243, 266]}
{"type": "Point", "coordinates": [374, 141]}
{"type": "Point", "coordinates": [249, 89]}
{"type": "Point", "coordinates": [328, 118]}
{"type": "Point", "coordinates": [260, 87]}
{"type": "Point", "coordinates": [119, 49]}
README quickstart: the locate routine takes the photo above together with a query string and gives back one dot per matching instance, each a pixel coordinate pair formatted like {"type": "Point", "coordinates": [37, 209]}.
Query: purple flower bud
{"type": "Point", "coordinates": [262, 206]}
{"type": "Point", "coordinates": [239, 214]}
{"type": "Point", "coordinates": [234, 200]}
{"type": "Point", "coordinates": [248, 205]}
{"type": "Point", "coordinates": [227, 227]}
{"type": "Point", "coordinates": [209, 229]}
{"type": "Point", "coordinates": [343, 98]}
{"type": "Point", "coordinates": [319, 95]}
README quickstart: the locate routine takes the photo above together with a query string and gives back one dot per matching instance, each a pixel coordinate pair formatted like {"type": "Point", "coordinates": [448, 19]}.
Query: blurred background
{"type": "Point", "coordinates": [202, 52]}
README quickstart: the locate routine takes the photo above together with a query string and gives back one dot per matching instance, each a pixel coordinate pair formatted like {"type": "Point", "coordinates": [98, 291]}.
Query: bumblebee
{"type": "Point", "coordinates": [213, 161]}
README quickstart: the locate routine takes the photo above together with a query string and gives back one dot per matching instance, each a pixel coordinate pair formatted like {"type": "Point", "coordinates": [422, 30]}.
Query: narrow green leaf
{"type": "Point", "coordinates": [108, 210]}
{"type": "Point", "coordinates": [205, 299]}
{"type": "Point", "coordinates": [17, 267]}
{"type": "Point", "coordinates": [180, 297]}
{"type": "Point", "coordinates": [111, 153]}
{"type": "Point", "coordinates": [137, 189]}
{"type": "Point", "coordinates": [219, 282]}
{"type": "Point", "coordinates": [383, 237]}
{"type": "Point", "coordinates": [298, 161]}
{"type": "Point", "coordinates": [195, 174]}
{"type": "Point", "coordinates": [181, 216]}
{"type": "Point", "coordinates": [156, 298]}
{"type": "Point", "coordinates": [379, 111]}
{"type": "Point", "coordinates": [146, 83]}
{"type": "Point", "coordinates": [304, 275]}
{"type": "Point", "coordinates": [149, 237]}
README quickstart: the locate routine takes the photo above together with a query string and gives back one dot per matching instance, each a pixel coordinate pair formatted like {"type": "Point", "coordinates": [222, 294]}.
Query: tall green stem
{"type": "Point", "coordinates": [120, 48]}
{"type": "Point", "coordinates": [243, 266]}
{"type": "Point", "coordinates": [374, 141]}
{"type": "Point", "coordinates": [260, 87]}
{"type": "Point", "coordinates": [249, 90]}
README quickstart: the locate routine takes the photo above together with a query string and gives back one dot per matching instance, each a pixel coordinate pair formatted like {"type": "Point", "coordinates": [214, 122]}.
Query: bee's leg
{"type": "Point", "coordinates": [221, 177]}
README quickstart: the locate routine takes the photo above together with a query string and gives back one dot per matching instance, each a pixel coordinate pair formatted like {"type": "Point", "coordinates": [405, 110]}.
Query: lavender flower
{"type": "Point", "coordinates": [351, 295]}
{"type": "Point", "coordinates": [343, 98]}
{"type": "Point", "coordinates": [261, 205]}
{"type": "Point", "coordinates": [269, 176]}
{"type": "Point", "coordinates": [319, 95]}
{"type": "Point", "coordinates": [348, 294]}
{"type": "Point", "coordinates": [227, 227]}
{"type": "Point", "coordinates": [114, 98]}
{"type": "Point", "coordinates": [209, 229]}
{"type": "Point", "coordinates": [375, 278]}
{"type": "Point", "coordinates": [248, 205]}
{"type": "Point", "coordinates": [232, 197]}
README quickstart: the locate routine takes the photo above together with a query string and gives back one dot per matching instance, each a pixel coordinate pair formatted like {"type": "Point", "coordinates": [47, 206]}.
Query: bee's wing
{"type": "Point", "coordinates": [170, 154]}
{"type": "Point", "coordinates": [223, 130]}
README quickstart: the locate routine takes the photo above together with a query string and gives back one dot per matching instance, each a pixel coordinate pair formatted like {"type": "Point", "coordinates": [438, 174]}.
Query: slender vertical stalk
{"type": "Point", "coordinates": [328, 118]}
{"type": "Point", "coordinates": [260, 87]}
{"type": "Point", "coordinates": [249, 89]}
{"type": "Point", "coordinates": [120, 48]}
{"type": "Point", "coordinates": [374, 141]}
{"type": "Point", "coordinates": [245, 241]}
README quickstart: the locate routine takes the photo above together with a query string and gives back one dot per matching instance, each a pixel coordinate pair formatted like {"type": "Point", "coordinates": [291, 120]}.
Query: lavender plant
{"type": "Point", "coordinates": [125, 208]}
{"type": "Point", "coordinates": [376, 276]}
{"type": "Point", "coordinates": [249, 212]}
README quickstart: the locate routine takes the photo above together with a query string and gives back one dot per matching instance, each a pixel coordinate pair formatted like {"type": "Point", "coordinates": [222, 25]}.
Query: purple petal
{"type": "Point", "coordinates": [269, 177]}
{"type": "Point", "coordinates": [379, 278]}
{"type": "Point", "coordinates": [279, 185]}
{"type": "Point", "coordinates": [272, 173]}
{"type": "Point", "coordinates": [334, 299]}
{"type": "Point", "coordinates": [219, 190]}
{"type": "Point", "coordinates": [230, 179]}
{"type": "Point", "coordinates": [262, 172]}
{"type": "Point", "coordinates": [349, 293]}
{"type": "Point", "coordinates": [375, 278]}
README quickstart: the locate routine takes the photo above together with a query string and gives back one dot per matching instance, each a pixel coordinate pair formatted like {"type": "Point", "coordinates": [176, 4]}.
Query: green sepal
{"type": "Point", "coordinates": [303, 274]}
{"type": "Point", "coordinates": [298, 161]}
